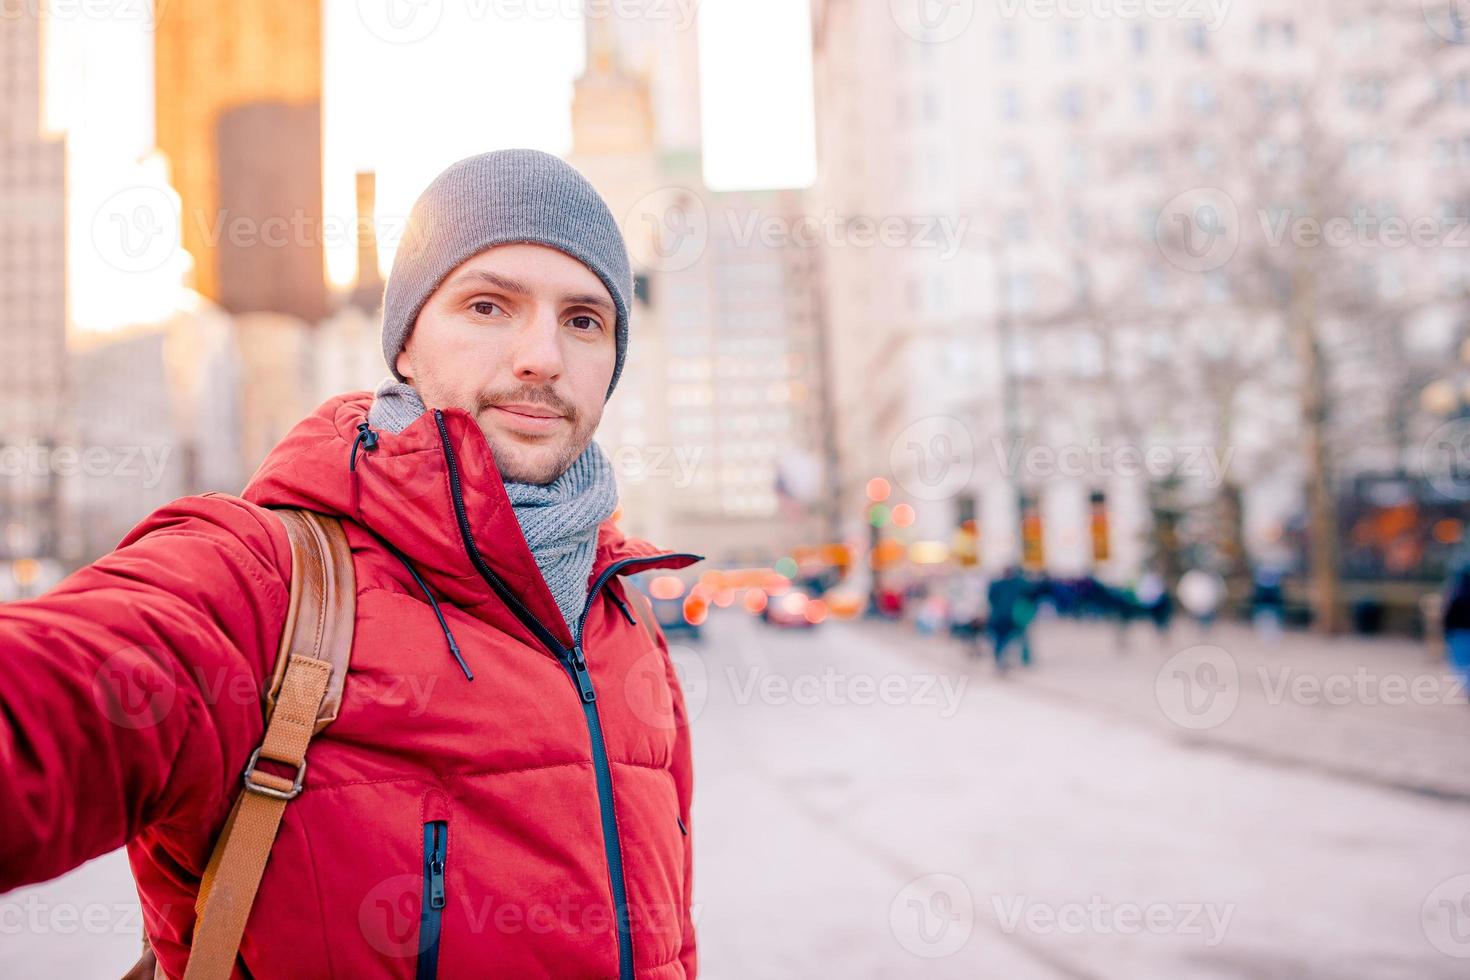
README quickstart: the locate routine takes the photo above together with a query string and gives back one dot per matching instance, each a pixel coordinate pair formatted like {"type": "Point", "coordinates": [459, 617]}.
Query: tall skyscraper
{"type": "Point", "coordinates": [32, 295]}
{"type": "Point", "coordinates": [658, 48]}
{"type": "Point", "coordinates": [238, 91]}
{"type": "Point", "coordinates": [716, 428]}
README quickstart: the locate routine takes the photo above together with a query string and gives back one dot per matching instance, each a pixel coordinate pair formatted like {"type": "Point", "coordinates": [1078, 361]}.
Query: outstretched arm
{"type": "Point", "coordinates": [131, 693]}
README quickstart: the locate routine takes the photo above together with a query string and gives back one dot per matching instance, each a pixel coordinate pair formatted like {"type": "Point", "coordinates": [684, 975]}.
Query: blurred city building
{"type": "Point", "coordinates": [33, 314]}
{"type": "Point", "coordinates": [717, 429]}
{"type": "Point", "coordinates": [237, 111]}
{"type": "Point", "coordinates": [1070, 150]}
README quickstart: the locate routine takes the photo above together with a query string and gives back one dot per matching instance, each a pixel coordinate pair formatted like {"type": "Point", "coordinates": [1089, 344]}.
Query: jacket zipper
{"type": "Point", "coordinates": [575, 663]}
{"type": "Point", "coordinates": [436, 847]}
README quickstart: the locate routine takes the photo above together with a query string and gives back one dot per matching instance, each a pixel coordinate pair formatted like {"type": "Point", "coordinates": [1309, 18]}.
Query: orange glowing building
{"type": "Point", "coordinates": [237, 101]}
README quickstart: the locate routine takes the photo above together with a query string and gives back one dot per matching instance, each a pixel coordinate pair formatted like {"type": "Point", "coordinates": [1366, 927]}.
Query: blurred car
{"type": "Point", "coordinates": [794, 609]}
{"type": "Point", "coordinates": [676, 613]}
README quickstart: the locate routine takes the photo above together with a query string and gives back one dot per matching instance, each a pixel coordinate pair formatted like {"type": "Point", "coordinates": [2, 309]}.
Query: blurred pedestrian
{"type": "Point", "coordinates": [1012, 607]}
{"type": "Point", "coordinates": [1457, 623]}
{"type": "Point", "coordinates": [1201, 593]}
{"type": "Point", "coordinates": [1268, 604]}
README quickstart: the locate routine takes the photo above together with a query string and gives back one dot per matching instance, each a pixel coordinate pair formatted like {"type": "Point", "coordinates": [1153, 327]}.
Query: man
{"type": "Point", "coordinates": [1012, 605]}
{"type": "Point", "coordinates": [497, 743]}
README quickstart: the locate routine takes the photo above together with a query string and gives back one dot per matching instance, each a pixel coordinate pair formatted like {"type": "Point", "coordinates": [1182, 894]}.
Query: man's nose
{"type": "Point", "coordinates": [538, 349]}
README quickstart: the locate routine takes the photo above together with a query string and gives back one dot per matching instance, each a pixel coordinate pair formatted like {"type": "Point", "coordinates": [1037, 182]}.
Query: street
{"type": "Point", "coordinates": [872, 804]}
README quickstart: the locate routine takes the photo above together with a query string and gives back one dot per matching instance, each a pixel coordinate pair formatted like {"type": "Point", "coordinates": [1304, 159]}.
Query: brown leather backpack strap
{"type": "Point", "coordinates": [304, 697]}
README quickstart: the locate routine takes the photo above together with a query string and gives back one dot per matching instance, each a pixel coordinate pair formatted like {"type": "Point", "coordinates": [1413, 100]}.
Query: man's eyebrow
{"type": "Point", "coordinates": [490, 278]}
{"type": "Point", "coordinates": [589, 299]}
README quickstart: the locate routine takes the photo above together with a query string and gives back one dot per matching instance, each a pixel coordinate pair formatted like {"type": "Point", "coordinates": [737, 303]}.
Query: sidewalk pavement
{"type": "Point", "coordinates": [1384, 711]}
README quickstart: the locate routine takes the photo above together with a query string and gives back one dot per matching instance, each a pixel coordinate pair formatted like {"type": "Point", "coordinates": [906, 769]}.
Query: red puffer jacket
{"type": "Point", "coordinates": [534, 803]}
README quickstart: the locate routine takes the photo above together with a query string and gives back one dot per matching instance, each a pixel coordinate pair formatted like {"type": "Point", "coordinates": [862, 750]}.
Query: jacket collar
{"type": "Point", "coordinates": [403, 490]}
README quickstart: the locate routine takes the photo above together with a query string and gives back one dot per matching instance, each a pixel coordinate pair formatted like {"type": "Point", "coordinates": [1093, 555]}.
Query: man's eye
{"type": "Point", "coordinates": [585, 323]}
{"type": "Point", "coordinates": [486, 308]}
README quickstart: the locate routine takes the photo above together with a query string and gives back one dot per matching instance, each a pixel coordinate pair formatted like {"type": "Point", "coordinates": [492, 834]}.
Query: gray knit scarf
{"type": "Point", "coordinates": [559, 519]}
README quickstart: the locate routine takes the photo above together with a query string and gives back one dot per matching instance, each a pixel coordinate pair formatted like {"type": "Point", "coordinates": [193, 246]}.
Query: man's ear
{"type": "Point", "coordinates": [403, 364]}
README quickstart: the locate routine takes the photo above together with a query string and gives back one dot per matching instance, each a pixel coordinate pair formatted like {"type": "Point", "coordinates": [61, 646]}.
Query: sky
{"type": "Point", "coordinates": [409, 86]}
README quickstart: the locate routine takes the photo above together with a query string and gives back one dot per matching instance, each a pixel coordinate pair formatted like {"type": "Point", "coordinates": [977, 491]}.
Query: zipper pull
{"type": "Point", "coordinates": [436, 873]}
{"type": "Point", "coordinates": [583, 678]}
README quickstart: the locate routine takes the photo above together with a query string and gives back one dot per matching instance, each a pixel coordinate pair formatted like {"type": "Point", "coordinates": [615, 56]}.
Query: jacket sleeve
{"type": "Point", "coordinates": [683, 771]}
{"type": "Point", "coordinates": [131, 693]}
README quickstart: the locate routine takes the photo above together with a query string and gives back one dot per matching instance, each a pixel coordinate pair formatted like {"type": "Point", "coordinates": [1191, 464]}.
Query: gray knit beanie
{"type": "Point", "coordinates": [492, 199]}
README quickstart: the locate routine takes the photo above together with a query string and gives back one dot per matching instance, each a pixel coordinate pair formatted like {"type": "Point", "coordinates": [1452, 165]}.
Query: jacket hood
{"type": "Point", "coordinates": [402, 491]}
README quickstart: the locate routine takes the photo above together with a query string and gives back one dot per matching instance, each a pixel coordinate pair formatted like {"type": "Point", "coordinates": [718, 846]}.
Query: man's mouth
{"type": "Point", "coordinates": [526, 417]}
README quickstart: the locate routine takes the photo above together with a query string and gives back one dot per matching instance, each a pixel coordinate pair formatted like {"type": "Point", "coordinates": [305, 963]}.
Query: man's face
{"type": "Point", "coordinates": [523, 337]}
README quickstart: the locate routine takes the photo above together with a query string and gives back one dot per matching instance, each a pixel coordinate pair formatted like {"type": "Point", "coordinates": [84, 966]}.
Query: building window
{"type": "Point", "coordinates": [1143, 98]}
{"type": "Point", "coordinates": [1010, 105]}
{"type": "Point", "coordinates": [1069, 42]}
{"type": "Point", "coordinates": [1070, 102]}
{"type": "Point", "coordinates": [1005, 43]}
